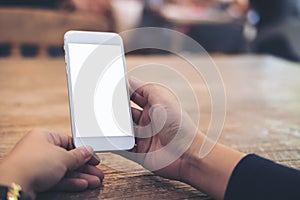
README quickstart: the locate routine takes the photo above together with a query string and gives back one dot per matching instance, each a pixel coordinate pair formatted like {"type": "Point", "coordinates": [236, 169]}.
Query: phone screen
{"type": "Point", "coordinates": [99, 92]}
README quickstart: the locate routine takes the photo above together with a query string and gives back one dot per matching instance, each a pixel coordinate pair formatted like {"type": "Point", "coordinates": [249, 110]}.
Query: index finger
{"type": "Point", "coordinates": [136, 92]}
{"type": "Point", "coordinates": [58, 139]}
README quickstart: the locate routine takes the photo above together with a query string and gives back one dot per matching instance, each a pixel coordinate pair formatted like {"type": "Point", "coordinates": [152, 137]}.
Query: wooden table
{"type": "Point", "coordinates": [263, 116]}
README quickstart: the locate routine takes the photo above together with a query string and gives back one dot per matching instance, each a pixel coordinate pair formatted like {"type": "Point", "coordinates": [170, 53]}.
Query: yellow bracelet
{"type": "Point", "coordinates": [14, 192]}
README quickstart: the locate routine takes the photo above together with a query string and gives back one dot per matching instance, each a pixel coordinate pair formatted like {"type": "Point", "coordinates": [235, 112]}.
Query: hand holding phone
{"type": "Point", "coordinates": [98, 95]}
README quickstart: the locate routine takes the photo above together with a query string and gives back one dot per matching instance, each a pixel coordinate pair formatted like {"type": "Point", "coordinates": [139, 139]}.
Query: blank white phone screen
{"type": "Point", "coordinates": [100, 98]}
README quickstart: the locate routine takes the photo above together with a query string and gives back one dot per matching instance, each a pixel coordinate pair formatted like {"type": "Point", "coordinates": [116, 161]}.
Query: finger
{"type": "Point", "coordinates": [138, 99]}
{"type": "Point", "coordinates": [76, 158]}
{"type": "Point", "coordinates": [95, 160]}
{"type": "Point", "coordinates": [136, 115]}
{"type": "Point", "coordinates": [93, 181]}
{"type": "Point", "coordinates": [71, 185]}
{"type": "Point", "coordinates": [63, 140]}
{"type": "Point", "coordinates": [136, 91]}
{"type": "Point", "coordinates": [135, 84]}
{"type": "Point", "coordinates": [145, 117]}
{"type": "Point", "coordinates": [92, 170]}
{"type": "Point", "coordinates": [140, 87]}
{"type": "Point", "coordinates": [147, 94]}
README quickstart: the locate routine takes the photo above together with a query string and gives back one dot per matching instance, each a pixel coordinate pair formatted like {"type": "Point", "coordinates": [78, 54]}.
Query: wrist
{"type": "Point", "coordinates": [10, 174]}
{"type": "Point", "coordinates": [191, 160]}
{"type": "Point", "coordinates": [210, 174]}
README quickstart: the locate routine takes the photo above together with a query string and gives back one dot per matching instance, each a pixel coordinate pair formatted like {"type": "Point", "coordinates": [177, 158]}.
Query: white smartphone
{"type": "Point", "coordinates": [98, 94]}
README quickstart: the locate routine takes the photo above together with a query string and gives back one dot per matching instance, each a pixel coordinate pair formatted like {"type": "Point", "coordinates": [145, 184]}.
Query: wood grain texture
{"type": "Point", "coordinates": [263, 115]}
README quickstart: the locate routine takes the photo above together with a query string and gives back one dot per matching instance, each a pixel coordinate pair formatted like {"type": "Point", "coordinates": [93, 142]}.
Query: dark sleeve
{"type": "Point", "coordinates": [257, 178]}
{"type": "Point", "coordinates": [31, 3]}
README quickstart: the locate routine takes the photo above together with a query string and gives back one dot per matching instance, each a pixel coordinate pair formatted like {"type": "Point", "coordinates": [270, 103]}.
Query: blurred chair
{"type": "Point", "coordinates": [278, 28]}
{"type": "Point", "coordinates": [281, 40]}
{"type": "Point", "coordinates": [31, 31]}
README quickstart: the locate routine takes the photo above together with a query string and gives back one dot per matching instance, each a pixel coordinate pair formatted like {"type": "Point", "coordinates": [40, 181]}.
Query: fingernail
{"type": "Point", "coordinates": [96, 157]}
{"type": "Point", "coordinates": [86, 151]}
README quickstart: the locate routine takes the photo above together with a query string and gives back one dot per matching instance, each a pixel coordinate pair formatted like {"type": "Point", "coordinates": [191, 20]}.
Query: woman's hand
{"type": "Point", "coordinates": [44, 160]}
{"type": "Point", "coordinates": [165, 135]}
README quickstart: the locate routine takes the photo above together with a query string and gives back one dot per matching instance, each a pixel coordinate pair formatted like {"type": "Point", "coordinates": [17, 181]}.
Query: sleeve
{"type": "Point", "coordinates": [257, 178]}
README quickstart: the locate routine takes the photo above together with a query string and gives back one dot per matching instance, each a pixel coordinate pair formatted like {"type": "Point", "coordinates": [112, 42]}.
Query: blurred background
{"type": "Point", "coordinates": [32, 28]}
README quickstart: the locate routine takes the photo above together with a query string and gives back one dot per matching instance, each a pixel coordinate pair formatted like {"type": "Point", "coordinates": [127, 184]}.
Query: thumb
{"type": "Point", "coordinates": [134, 84]}
{"type": "Point", "coordinates": [78, 157]}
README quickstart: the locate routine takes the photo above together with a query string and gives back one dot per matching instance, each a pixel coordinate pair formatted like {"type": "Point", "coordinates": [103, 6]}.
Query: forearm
{"type": "Point", "coordinates": [211, 173]}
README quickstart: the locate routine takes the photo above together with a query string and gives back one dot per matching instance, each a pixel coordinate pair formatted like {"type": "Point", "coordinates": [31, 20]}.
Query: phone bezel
{"type": "Point", "coordinates": [101, 143]}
